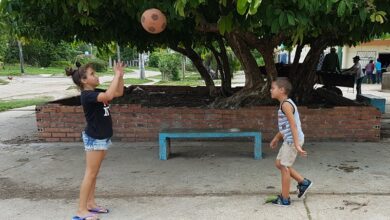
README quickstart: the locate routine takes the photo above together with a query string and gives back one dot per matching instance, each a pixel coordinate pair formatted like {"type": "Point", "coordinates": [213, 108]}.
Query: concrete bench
{"type": "Point", "coordinates": [167, 134]}
{"type": "Point", "coordinates": [376, 101]}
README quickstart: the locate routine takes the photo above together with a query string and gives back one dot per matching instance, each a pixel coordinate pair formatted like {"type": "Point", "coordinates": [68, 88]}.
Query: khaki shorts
{"type": "Point", "coordinates": [287, 154]}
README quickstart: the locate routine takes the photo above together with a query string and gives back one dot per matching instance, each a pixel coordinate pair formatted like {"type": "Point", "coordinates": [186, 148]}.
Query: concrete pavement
{"type": "Point", "coordinates": [204, 180]}
{"type": "Point", "coordinates": [56, 87]}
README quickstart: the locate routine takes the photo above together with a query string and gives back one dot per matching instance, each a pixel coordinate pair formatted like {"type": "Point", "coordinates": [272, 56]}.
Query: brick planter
{"type": "Point", "coordinates": [133, 123]}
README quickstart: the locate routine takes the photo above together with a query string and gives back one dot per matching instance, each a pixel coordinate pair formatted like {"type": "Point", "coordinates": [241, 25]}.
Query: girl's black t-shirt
{"type": "Point", "coordinates": [97, 115]}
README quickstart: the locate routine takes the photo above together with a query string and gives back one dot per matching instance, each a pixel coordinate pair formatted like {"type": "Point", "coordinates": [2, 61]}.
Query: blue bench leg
{"type": "Point", "coordinates": [164, 148]}
{"type": "Point", "coordinates": [257, 148]}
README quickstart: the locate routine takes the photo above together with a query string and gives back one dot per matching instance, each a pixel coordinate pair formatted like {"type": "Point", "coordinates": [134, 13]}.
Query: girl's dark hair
{"type": "Point", "coordinates": [79, 73]}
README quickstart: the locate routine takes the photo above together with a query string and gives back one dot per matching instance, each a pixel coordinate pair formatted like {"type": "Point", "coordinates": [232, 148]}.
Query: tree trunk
{"type": "Point", "coordinates": [227, 72]}
{"type": "Point", "coordinates": [198, 63]}
{"type": "Point", "coordinates": [223, 67]}
{"type": "Point", "coordinates": [306, 75]}
{"type": "Point", "coordinates": [294, 66]}
{"type": "Point", "coordinates": [248, 62]}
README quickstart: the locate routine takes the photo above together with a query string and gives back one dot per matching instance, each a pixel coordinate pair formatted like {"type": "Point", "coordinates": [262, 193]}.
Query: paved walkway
{"type": "Point", "coordinates": [57, 87]}
{"type": "Point", "coordinates": [204, 180]}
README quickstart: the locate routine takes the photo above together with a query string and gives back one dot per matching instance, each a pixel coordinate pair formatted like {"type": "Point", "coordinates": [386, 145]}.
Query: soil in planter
{"type": "Point", "coordinates": [185, 96]}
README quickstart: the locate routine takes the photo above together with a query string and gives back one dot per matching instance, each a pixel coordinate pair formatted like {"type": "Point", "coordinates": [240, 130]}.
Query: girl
{"type": "Point", "coordinates": [98, 132]}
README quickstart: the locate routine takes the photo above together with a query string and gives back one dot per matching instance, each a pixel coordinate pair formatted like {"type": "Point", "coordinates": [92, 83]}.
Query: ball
{"type": "Point", "coordinates": [153, 21]}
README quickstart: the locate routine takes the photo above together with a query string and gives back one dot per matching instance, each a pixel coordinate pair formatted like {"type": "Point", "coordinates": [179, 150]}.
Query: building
{"type": "Point", "coordinates": [367, 51]}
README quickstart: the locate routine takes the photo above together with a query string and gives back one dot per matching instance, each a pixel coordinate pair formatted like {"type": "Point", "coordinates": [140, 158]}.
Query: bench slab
{"type": "Point", "coordinates": [376, 101]}
{"type": "Point", "coordinates": [166, 134]}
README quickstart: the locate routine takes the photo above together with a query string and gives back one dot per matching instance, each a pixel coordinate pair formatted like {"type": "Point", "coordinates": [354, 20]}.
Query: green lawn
{"type": "Point", "coordinates": [18, 103]}
{"type": "Point", "coordinates": [14, 70]}
{"type": "Point", "coordinates": [129, 81]}
{"type": "Point", "coordinates": [146, 68]}
{"type": "Point", "coordinates": [190, 79]}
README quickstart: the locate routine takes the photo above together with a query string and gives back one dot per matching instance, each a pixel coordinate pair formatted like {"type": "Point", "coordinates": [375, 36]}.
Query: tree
{"type": "Point", "coordinates": [242, 25]}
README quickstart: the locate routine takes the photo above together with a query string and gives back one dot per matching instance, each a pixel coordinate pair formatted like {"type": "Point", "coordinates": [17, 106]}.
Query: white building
{"type": "Point", "coordinates": [367, 51]}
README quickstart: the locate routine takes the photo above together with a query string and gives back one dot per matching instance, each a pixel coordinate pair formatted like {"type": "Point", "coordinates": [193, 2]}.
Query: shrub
{"type": "Point", "coordinates": [154, 59]}
{"type": "Point", "coordinates": [98, 64]}
{"type": "Point", "coordinates": [169, 66]}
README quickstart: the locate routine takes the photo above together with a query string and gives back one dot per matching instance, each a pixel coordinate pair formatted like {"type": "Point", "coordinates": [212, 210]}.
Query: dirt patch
{"type": "Point", "coordinates": [353, 203]}
{"type": "Point", "coordinates": [348, 168]}
{"type": "Point", "coordinates": [22, 140]}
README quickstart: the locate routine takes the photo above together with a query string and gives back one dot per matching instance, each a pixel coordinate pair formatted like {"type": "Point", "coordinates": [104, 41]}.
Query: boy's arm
{"type": "Point", "coordinates": [276, 139]}
{"type": "Point", "coordinates": [288, 111]}
{"type": "Point", "coordinates": [278, 136]}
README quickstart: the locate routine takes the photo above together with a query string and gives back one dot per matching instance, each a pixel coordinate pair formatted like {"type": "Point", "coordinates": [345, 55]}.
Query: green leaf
{"type": "Point", "coordinates": [291, 19]}
{"type": "Point", "coordinates": [179, 6]}
{"type": "Point", "coordinates": [362, 14]}
{"type": "Point", "coordinates": [275, 26]}
{"type": "Point", "coordinates": [341, 9]}
{"type": "Point", "coordinates": [223, 2]}
{"type": "Point", "coordinates": [242, 6]}
{"type": "Point", "coordinates": [282, 19]}
{"type": "Point", "coordinates": [301, 4]}
{"type": "Point", "coordinates": [254, 6]}
{"type": "Point", "coordinates": [372, 18]}
{"type": "Point", "coordinates": [225, 23]}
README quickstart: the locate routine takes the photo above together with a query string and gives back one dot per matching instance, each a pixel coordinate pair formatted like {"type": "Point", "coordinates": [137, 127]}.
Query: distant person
{"type": "Point", "coordinates": [378, 69]}
{"type": "Point", "coordinates": [283, 57]}
{"type": "Point", "coordinates": [320, 61]}
{"type": "Point", "coordinates": [331, 62]}
{"type": "Point", "coordinates": [370, 67]}
{"type": "Point", "coordinates": [290, 132]}
{"type": "Point", "coordinates": [356, 70]}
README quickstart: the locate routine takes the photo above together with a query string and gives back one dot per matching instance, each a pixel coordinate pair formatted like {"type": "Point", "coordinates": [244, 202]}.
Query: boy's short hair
{"type": "Point", "coordinates": [283, 82]}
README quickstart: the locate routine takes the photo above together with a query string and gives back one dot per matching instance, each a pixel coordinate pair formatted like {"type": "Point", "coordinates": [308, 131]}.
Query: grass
{"type": "Point", "coordinates": [190, 79]}
{"type": "Point", "coordinates": [14, 70]}
{"type": "Point", "coordinates": [129, 81]}
{"type": "Point", "coordinates": [3, 82]}
{"type": "Point", "coordinates": [18, 103]}
{"type": "Point", "coordinates": [146, 68]}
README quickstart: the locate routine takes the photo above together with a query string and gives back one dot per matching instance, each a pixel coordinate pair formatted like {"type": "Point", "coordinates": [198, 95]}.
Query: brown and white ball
{"type": "Point", "coordinates": [153, 21]}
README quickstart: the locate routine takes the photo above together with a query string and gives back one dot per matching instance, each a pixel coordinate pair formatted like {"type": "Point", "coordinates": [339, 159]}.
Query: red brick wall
{"type": "Point", "coordinates": [135, 123]}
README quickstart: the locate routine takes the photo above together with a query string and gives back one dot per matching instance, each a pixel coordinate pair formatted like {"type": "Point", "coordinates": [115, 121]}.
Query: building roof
{"type": "Point", "coordinates": [377, 43]}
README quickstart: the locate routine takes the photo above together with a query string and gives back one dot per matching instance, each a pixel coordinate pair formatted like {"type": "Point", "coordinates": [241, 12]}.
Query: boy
{"type": "Point", "coordinates": [291, 132]}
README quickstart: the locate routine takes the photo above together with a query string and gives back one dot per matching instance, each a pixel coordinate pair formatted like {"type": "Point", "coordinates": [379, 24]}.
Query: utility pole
{"type": "Point", "coordinates": [118, 52]}
{"type": "Point", "coordinates": [141, 65]}
{"type": "Point", "coordinates": [21, 57]}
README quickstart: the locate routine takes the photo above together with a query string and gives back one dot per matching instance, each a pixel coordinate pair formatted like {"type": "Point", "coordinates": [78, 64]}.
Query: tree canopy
{"type": "Point", "coordinates": [242, 25]}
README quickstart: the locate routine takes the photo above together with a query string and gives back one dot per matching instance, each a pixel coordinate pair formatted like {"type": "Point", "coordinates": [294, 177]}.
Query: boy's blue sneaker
{"type": "Point", "coordinates": [281, 202]}
{"type": "Point", "coordinates": [303, 187]}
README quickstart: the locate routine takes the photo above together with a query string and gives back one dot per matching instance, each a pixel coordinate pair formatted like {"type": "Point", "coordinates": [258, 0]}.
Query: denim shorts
{"type": "Point", "coordinates": [91, 143]}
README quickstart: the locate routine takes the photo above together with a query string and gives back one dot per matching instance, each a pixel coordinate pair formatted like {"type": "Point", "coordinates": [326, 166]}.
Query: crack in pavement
{"type": "Point", "coordinates": [22, 163]}
{"type": "Point", "coordinates": [307, 208]}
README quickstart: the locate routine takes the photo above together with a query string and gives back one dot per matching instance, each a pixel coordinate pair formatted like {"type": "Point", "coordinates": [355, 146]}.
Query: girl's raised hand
{"type": "Point", "coordinates": [119, 68]}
